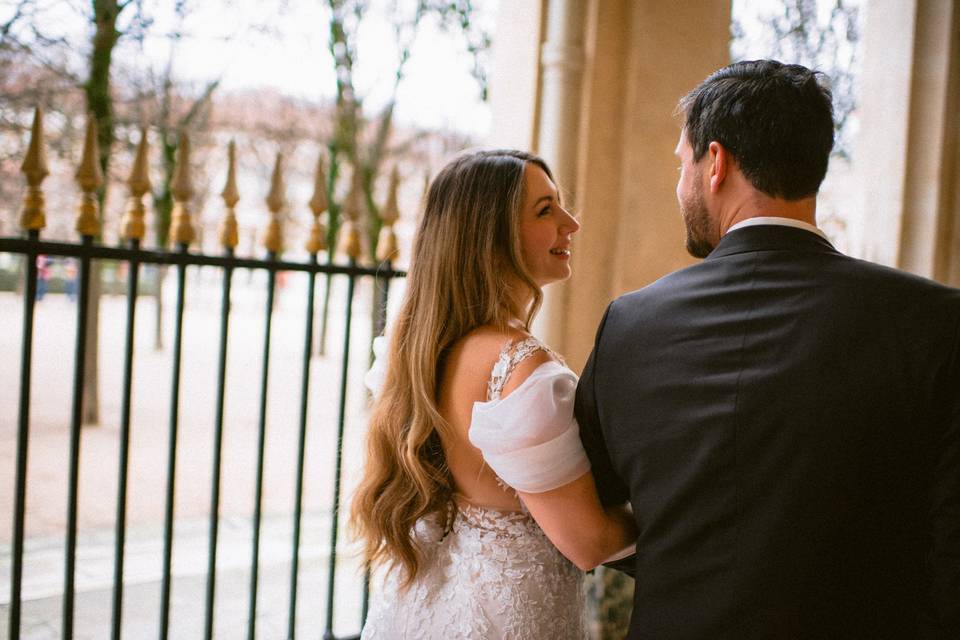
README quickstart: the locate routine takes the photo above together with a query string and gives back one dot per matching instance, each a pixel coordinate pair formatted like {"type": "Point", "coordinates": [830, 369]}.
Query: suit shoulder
{"type": "Point", "coordinates": [907, 286]}
{"type": "Point", "coordinates": [657, 288]}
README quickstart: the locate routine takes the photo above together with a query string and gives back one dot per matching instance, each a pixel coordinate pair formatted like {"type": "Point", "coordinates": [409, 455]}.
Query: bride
{"type": "Point", "coordinates": [477, 498]}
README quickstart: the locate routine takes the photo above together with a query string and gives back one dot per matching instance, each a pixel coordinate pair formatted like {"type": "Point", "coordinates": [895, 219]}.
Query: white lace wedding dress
{"type": "Point", "coordinates": [495, 575]}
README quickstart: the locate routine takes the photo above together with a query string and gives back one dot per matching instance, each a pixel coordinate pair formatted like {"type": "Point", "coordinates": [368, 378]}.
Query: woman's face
{"type": "Point", "coordinates": [545, 228]}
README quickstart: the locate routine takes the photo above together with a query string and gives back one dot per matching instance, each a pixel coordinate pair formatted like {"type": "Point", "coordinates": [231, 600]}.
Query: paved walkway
{"type": "Point", "coordinates": [50, 415]}
{"type": "Point", "coordinates": [43, 591]}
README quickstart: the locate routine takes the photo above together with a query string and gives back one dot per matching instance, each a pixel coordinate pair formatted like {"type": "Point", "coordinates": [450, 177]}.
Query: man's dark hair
{"type": "Point", "coordinates": [775, 119]}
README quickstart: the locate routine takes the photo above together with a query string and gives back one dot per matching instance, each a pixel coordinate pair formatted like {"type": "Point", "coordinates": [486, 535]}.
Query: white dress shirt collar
{"type": "Point", "coordinates": [783, 222]}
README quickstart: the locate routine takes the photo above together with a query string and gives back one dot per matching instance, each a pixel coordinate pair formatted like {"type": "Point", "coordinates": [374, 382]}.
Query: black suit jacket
{"type": "Point", "coordinates": [785, 421]}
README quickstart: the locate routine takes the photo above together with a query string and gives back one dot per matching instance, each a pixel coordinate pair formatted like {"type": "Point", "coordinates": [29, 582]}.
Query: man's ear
{"type": "Point", "coordinates": [719, 165]}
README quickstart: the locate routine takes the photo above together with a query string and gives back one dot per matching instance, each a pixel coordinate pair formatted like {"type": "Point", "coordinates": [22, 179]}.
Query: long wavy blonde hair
{"type": "Point", "coordinates": [464, 272]}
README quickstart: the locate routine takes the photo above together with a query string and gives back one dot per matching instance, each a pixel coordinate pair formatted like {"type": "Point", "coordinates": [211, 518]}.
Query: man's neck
{"type": "Point", "coordinates": [803, 210]}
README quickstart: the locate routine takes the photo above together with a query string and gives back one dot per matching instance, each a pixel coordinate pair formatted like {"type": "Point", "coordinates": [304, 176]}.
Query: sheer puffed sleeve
{"type": "Point", "coordinates": [377, 375]}
{"type": "Point", "coordinates": [530, 438]}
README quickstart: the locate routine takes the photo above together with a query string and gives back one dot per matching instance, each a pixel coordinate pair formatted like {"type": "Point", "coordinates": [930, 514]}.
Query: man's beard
{"type": "Point", "coordinates": [697, 220]}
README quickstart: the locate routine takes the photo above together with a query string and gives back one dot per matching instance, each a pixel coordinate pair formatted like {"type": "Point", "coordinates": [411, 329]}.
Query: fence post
{"type": "Point", "coordinates": [228, 240]}
{"type": "Point", "coordinates": [315, 243]}
{"type": "Point", "coordinates": [132, 230]}
{"type": "Point", "coordinates": [90, 179]}
{"type": "Point", "coordinates": [273, 242]}
{"type": "Point", "coordinates": [32, 220]}
{"type": "Point", "coordinates": [181, 234]}
{"type": "Point", "coordinates": [349, 244]}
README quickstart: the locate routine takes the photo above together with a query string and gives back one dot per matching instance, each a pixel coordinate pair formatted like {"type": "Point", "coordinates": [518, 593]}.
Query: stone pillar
{"type": "Point", "coordinates": [515, 76]}
{"type": "Point", "coordinates": [561, 73]}
{"type": "Point", "coordinates": [600, 174]}
{"type": "Point", "coordinates": [907, 149]}
{"type": "Point", "coordinates": [596, 100]}
{"type": "Point", "coordinates": [642, 57]}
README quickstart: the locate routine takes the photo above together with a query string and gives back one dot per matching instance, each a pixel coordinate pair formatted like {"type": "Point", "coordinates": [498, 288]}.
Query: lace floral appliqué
{"type": "Point", "coordinates": [494, 576]}
{"type": "Point", "coordinates": [508, 361]}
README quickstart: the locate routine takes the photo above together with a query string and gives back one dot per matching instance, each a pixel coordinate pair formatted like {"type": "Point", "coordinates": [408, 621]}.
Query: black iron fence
{"type": "Point", "coordinates": [30, 246]}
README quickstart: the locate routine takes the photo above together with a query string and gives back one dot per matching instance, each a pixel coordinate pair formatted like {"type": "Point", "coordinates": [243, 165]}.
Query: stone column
{"type": "Point", "coordinates": [561, 73]}
{"type": "Point", "coordinates": [515, 74]}
{"type": "Point", "coordinates": [642, 57]}
{"type": "Point", "coordinates": [597, 103]}
{"type": "Point", "coordinates": [907, 148]}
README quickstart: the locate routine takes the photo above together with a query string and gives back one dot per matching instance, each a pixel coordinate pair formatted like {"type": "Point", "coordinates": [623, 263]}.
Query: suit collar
{"type": "Point", "coordinates": [769, 238]}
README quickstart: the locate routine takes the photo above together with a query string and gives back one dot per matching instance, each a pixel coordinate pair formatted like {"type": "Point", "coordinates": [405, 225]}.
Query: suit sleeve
{"type": "Point", "coordinates": [610, 487]}
{"type": "Point", "coordinates": [945, 508]}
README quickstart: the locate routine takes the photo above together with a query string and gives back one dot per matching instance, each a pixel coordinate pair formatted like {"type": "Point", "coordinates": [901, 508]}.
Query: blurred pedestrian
{"type": "Point", "coordinates": [43, 274]}
{"type": "Point", "coordinates": [70, 278]}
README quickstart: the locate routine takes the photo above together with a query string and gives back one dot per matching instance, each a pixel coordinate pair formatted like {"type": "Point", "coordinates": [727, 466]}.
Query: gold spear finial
{"type": "Point", "coordinates": [387, 240]}
{"type": "Point", "coordinates": [318, 204]}
{"type": "Point", "coordinates": [273, 238]}
{"type": "Point", "coordinates": [426, 189]}
{"type": "Point", "coordinates": [134, 227]}
{"type": "Point", "coordinates": [229, 236]}
{"type": "Point", "coordinates": [391, 211]}
{"type": "Point", "coordinates": [90, 178]}
{"type": "Point", "coordinates": [230, 194]}
{"type": "Point", "coordinates": [34, 167]}
{"type": "Point", "coordinates": [349, 241]}
{"type": "Point", "coordinates": [181, 226]}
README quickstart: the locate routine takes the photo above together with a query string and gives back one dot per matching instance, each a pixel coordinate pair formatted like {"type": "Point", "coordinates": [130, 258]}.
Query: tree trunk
{"type": "Point", "coordinates": [161, 273]}
{"type": "Point", "coordinates": [163, 204]}
{"type": "Point", "coordinates": [91, 368]}
{"type": "Point", "coordinates": [324, 317]}
{"type": "Point", "coordinates": [333, 218]}
{"type": "Point", "coordinates": [21, 269]}
{"type": "Point", "coordinates": [100, 104]}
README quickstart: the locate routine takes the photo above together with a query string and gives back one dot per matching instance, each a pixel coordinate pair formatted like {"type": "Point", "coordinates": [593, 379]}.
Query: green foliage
{"type": "Point", "coordinates": [609, 603]}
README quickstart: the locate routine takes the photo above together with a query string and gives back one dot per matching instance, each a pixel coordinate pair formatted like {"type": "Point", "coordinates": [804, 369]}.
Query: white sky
{"type": "Point", "coordinates": [282, 45]}
{"type": "Point", "coordinates": [437, 91]}
{"type": "Point", "coordinates": [227, 39]}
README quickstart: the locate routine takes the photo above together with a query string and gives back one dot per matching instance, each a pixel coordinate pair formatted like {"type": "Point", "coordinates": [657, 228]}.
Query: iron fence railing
{"type": "Point", "coordinates": [86, 252]}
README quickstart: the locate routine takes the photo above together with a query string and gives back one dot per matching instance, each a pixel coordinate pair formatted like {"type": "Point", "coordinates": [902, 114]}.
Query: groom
{"type": "Point", "coordinates": [784, 419]}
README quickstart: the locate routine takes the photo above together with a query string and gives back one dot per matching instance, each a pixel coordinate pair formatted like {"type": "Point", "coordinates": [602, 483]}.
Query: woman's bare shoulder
{"type": "Point", "coordinates": [485, 342]}
{"type": "Point", "coordinates": [472, 357]}
{"type": "Point", "coordinates": [477, 352]}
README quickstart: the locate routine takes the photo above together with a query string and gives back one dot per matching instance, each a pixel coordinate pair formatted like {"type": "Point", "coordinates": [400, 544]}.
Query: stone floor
{"type": "Point", "coordinates": [43, 584]}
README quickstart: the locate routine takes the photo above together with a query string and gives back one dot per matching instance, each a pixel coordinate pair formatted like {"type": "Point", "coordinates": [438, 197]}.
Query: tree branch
{"type": "Point", "coordinates": [202, 100]}
{"type": "Point", "coordinates": [17, 14]}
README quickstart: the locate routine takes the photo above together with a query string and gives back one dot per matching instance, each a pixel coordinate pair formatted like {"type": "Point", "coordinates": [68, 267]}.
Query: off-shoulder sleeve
{"type": "Point", "coordinates": [377, 375]}
{"type": "Point", "coordinates": [530, 438]}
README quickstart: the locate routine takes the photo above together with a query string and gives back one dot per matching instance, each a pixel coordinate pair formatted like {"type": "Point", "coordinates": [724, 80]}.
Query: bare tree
{"type": "Point", "coordinates": [362, 140]}
{"type": "Point", "coordinates": [23, 41]}
{"type": "Point", "coordinates": [34, 71]}
{"type": "Point", "coordinates": [174, 112]}
{"type": "Point", "coordinates": [22, 38]}
{"type": "Point", "coordinates": [823, 36]}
